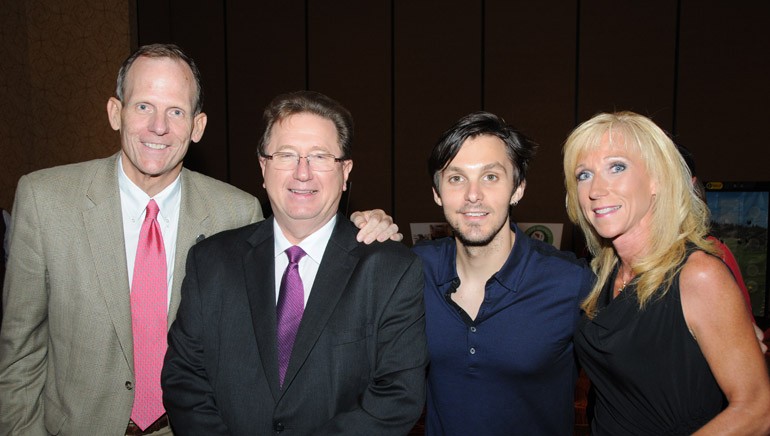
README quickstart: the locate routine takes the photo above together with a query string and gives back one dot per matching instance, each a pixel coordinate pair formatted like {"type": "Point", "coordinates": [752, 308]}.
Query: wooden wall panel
{"type": "Point", "coordinates": [724, 88]}
{"type": "Point", "coordinates": [437, 64]}
{"type": "Point", "coordinates": [58, 68]}
{"type": "Point", "coordinates": [16, 90]}
{"type": "Point", "coordinates": [530, 58]}
{"type": "Point", "coordinates": [350, 60]}
{"type": "Point", "coordinates": [266, 46]}
{"type": "Point", "coordinates": [627, 58]}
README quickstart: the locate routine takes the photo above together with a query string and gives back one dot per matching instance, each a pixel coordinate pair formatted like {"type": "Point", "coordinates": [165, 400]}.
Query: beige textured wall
{"type": "Point", "coordinates": [58, 68]}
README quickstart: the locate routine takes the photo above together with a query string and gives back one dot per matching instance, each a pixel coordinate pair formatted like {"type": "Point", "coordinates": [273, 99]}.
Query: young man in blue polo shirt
{"type": "Point", "coordinates": [501, 307]}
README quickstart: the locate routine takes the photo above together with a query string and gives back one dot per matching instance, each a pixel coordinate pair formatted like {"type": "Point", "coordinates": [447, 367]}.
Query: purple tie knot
{"type": "Point", "coordinates": [295, 253]}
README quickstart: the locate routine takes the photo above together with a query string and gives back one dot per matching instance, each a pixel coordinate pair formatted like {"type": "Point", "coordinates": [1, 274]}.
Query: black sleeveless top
{"type": "Point", "coordinates": [647, 371]}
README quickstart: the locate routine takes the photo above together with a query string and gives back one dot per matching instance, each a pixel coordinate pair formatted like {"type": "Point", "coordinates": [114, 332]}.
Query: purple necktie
{"type": "Point", "coordinates": [149, 293]}
{"type": "Point", "coordinates": [291, 304]}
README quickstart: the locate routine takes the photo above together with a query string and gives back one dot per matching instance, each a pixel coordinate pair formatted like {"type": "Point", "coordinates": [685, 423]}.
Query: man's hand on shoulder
{"type": "Point", "coordinates": [375, 225]}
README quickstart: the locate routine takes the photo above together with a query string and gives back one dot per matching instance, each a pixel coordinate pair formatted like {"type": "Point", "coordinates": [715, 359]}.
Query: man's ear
{"type": "Point", "coordinates": [262, 162]}
{"type": "Point", "coordinates": [518, 193]}
{"type": "Point", "coordinates": [199, 125]}
{"type": "Point", "coordinates": [437, 197]}
{"type": "Point", "coordinates": [114, 108]}
{"type": "Point", "coordinates": [347, 167]}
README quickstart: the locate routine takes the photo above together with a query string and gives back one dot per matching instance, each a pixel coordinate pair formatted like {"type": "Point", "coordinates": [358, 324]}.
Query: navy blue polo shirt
{"type": "Point", "coordinates": [511, 370]}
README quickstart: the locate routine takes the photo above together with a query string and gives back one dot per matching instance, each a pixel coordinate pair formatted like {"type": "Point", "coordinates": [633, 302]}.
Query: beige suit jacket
{"type": "Point", "coordinates": [66, 349]}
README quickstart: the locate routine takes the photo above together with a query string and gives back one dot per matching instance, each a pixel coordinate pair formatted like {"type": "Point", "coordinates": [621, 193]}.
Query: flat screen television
{"type": "Point", "coordinates": [739, 218]}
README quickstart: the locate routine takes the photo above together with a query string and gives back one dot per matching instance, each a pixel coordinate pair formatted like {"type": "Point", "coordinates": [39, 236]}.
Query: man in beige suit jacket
{"type": "Point", "coordinates": [66, 343]}
{"type": "Point", "coordinates": [67, 348]}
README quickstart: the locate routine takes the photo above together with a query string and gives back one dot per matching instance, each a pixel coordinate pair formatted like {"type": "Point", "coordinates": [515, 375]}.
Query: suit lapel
{"type": "Point", "coordinates": [194, 223]}
{"type": "Point", "coordinates": [259, 267]}
{"type": "Point", "coordinates": [102, 219]}
{"type": "Point", "coordinates": [337, 266]}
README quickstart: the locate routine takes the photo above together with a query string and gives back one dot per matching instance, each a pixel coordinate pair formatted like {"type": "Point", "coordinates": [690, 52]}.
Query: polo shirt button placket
{"type": "Point", "coordinates": [471, 340]}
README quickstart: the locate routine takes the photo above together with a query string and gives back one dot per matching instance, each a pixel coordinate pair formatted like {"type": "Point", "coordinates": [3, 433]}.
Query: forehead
{"type": "Point", "coordinates": [481, 150]}
{"type": "Point", "coordinates": [609, 143]}
{"type": "Point", "coordinates": [305, 131]}
{"type": "Point", "coordinates": [164, 77]}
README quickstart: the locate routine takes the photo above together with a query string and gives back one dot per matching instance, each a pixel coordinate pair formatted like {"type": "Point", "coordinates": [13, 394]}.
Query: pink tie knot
{"type": "Point", "coordinates": [152, 210]}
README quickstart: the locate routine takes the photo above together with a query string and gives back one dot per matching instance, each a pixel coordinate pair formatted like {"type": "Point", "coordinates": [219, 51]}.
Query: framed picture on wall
{"type": "Point", "coordinates": [739, 218]}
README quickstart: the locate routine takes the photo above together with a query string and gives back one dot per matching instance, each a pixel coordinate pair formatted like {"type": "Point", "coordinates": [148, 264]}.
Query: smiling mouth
{"type": "Point", "coordinates": [475, 214]}
{"type": "Point", "coordinates": [155, 146]}
{"type": "Point", "coordinates": [606, 210]}
{"type": "Point", "coordinates": [303, 191]}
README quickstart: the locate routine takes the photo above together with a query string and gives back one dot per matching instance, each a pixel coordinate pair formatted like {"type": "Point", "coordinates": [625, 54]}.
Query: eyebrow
{"type": "Point", "coordinates": [610, 158]}
{"type": "Point", "coordinates": [486, 167]}
{"type": "Point", "coordinates": [289, 148]}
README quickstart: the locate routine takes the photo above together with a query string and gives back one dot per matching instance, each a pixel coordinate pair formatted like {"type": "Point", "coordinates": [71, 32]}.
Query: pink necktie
{"type": "Point", "coordinates": [149, 293]}
{"type": "Point", "coordinates": [291, 304]}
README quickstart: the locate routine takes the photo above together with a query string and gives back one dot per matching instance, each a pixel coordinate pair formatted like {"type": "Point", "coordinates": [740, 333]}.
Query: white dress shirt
{"type": "Point", "coordinates": [133, 204]}
{"type": "Point", "coordinates": [314, 247]}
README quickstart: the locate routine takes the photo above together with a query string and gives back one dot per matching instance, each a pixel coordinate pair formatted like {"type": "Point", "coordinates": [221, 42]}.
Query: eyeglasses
{"type": "Point", "coordinates": [316, 161]}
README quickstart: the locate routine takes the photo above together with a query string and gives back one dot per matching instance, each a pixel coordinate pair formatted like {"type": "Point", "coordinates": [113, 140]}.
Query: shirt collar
{"type": "Point", "coordinates": [509, 273]}
{"type": "Point", "coordinates": [513, 268]}
{"type": "Point", "coordinates": [135, 200]}
{"type": "Point", "coordinates": [314, 245]}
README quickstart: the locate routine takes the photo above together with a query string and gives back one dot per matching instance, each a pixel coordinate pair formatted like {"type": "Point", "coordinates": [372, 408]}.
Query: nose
{"type": "Point", "coordinates": [474, 193]}
{"type": "Point", "coordinates": [159, 124]}
{"type": "Point", "coordinates": [303, 172]}
{"type": "Point", "coordinates": [598, 187]}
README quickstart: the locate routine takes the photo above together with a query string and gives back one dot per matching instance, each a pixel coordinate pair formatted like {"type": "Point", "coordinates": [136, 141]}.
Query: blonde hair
{"type": "Point", "coordinates": [679, 217]}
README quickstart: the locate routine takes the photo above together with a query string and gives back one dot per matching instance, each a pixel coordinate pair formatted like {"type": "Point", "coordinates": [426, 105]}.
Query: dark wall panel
{"type": "Point", "coordinates": [266, 56]}
{"type": "Point", "coordinates": [153, 21]}
{"type": "Point", "coordinates": [198, 27]}
{"type": "Point", "coordinates": [350, 60]}
{"type": "Point", "coordinates": [724, 88]}
{"type": "Point", "coordinates": [437, 55]}
{"type": "Point", "coordinates": [408, 70]}
{"type": "Point", "coordinates": [529, 80]}
{"type": "Point", "coordinates": [627, 58]}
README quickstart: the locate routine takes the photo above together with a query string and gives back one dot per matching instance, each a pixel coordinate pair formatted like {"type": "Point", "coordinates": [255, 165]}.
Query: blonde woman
{"type": "Point", "coordinates": [666, 338]}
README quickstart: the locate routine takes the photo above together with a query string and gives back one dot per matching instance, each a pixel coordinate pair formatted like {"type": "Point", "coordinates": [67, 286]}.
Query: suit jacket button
{"type": "Point", "coordinates": [129, 385]}
{"type": "Point", "coordinates": [278, 426]}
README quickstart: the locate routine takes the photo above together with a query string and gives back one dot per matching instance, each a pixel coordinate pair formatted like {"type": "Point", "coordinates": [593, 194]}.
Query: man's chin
{"type": "Point", "coordinates": [474, 242]}
{"type": "Point", "coordinates": [473, 239]}
{"type": "Point", "coordinates": [477, 238]}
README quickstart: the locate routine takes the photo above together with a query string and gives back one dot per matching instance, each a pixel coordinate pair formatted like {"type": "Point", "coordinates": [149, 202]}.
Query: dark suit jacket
{"type": "Point", "coordinates": [359, 360]}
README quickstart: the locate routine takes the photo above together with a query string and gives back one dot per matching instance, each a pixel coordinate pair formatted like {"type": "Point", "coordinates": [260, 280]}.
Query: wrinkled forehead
{"type": "Point", "coordinates": [161, 73]}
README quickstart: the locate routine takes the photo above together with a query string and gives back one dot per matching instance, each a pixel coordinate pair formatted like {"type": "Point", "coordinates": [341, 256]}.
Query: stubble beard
{"type": "Point", "coordinates": [479, 241]}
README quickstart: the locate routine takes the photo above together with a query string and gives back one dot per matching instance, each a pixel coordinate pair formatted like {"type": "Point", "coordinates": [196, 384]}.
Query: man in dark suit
{"type": "Point", "coordinates": [357, 363]}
